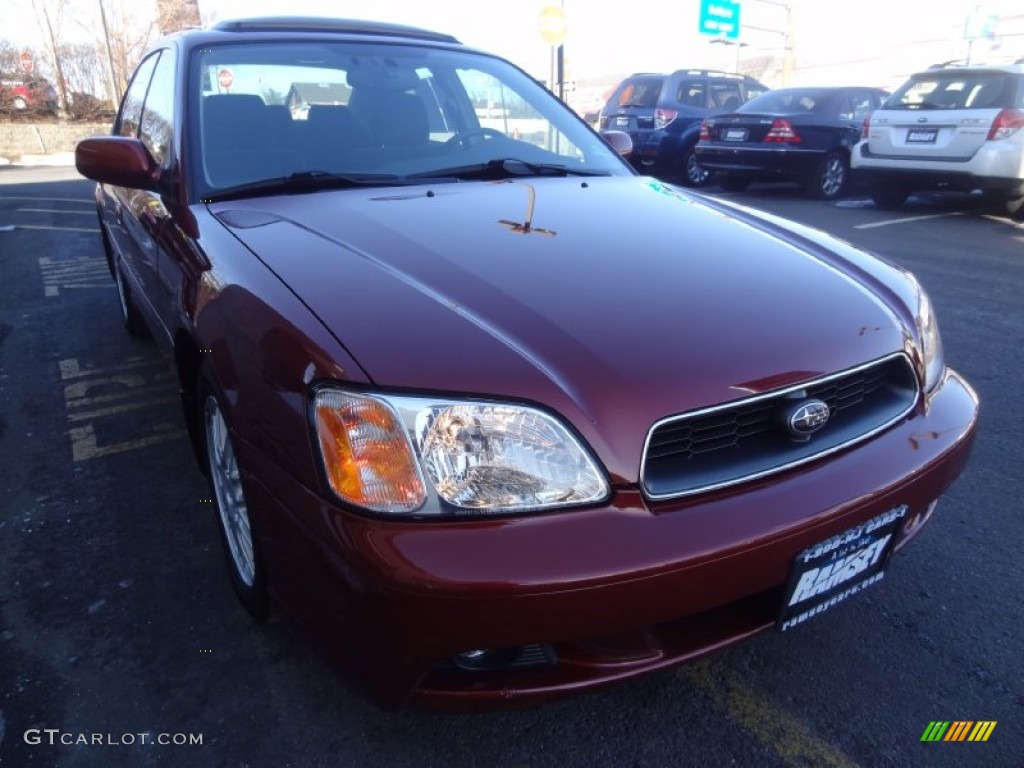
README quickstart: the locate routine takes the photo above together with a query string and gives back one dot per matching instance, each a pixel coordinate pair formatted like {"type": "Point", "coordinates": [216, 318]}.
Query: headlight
{"type": "Point", "coordinates": [931, 342]}
{"type": "Point", "coordinates": [427, 456]}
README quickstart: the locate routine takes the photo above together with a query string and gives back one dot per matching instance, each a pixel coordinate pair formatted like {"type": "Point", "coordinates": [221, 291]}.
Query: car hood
{"type": "Point", "coordinates": [613, 301]}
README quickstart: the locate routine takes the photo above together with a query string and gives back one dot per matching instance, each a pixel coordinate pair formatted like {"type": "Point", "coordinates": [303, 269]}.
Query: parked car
{"type": "Point", "coordinates": [28, 93]}
{"type": "Point", "coordinates": [793, 134]}
{"type": "Point", "coordinates": [948, 128]}
{"type": "Point", "coordinates": [662, 114]}
{"type": "Point", "coordinates": [492, 419]}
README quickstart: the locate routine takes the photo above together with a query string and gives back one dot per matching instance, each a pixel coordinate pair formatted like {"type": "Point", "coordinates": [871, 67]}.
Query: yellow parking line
{"type": "Point", "coordinates": [38, 199]}
{"type": "Point", "coordinates": [86, 212]}
{"type": "Point", "coordinates": [58, 229]}
{"type": "Point", "coordinates": [780, 731]}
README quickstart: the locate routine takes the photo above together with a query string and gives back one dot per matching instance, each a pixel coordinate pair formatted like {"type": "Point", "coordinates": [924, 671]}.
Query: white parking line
{"type": "Point", "coordinates": [907, 220]}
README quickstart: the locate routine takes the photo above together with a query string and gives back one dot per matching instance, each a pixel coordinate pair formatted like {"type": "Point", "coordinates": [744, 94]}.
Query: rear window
{"type": "Point", "coordinates": [786, 102]}
{"type": "Point", "coordinates": [957, 90]}
{"type": "Point", "coordinates": [640, 92]}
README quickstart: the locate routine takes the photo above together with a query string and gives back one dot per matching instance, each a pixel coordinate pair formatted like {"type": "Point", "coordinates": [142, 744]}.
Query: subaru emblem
{"type": "Point", "coordinates": [807, 418]}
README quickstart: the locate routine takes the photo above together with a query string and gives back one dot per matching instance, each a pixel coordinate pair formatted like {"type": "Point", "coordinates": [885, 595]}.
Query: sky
{"type": "Point", "coordinates": [868, 42]}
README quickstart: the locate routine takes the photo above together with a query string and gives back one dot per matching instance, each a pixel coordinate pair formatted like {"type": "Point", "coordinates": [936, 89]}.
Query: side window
{"type": "Point", "coordinates": [158, 113]}
{"type": "Point", "coordinates": [500, 109]}
{"type": "Point", "coordinates": [855, 106]}
{"type": "Point", "coordinates": [131, 108]}
{"type": "Point", "coordinates": [726, 96]}
{"type": "Point", "coordinates": [692, 93]}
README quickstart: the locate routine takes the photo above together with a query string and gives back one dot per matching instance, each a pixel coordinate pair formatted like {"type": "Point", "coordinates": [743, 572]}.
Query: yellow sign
{"type": "Point", "coordinates": [553, 25]}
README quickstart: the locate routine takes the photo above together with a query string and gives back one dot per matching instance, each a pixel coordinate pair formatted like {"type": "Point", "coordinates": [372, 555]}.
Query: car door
{"type": "Point", "coordinates": [151, 210]}
{"type": "Point", "coordinates": [133, 257]}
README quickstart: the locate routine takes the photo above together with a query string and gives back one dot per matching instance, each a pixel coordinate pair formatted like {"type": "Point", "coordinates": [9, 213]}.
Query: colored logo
{"type": "Point", "coordinates": [958, 730]}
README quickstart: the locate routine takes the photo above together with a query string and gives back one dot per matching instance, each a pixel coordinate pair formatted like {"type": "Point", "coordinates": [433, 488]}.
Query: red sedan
{"type": "Point", "coordinates": [488, 416]}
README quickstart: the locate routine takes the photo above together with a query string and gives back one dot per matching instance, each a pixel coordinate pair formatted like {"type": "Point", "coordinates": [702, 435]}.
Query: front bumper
{"type": "Point", "coordinates": [615, 591]}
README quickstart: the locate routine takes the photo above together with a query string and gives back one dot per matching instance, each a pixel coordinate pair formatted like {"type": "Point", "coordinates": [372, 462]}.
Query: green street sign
{"type": "Point", "coordinates": [720, 18]}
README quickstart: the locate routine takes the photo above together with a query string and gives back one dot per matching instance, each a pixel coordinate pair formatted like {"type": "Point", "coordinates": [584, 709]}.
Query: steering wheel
{"type": "Point", "coordinates": [475, 136]}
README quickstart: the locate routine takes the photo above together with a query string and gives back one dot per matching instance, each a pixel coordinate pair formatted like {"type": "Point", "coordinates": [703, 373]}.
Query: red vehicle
{"type": "Point", "coordinates": [29, 93]}
{"type": "Point", "coordinates": [488, 416]}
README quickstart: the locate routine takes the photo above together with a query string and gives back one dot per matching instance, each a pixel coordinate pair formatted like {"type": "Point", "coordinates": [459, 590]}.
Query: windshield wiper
{"type": "Point", "coordinates": [505, 168]}
{"type": "Point", "coordinates": [304, 181]}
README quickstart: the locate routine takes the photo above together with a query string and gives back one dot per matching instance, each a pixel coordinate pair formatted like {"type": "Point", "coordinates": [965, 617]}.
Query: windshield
{"type": "Point", "coordinates": [374, 113]}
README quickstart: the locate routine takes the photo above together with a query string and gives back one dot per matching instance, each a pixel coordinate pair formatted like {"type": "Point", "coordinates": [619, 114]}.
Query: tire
{"type": "Point", "coordinates": [691, 173]}
{"type": "Point", "coordinates": [889, 197]}
{"type": "Point", "coordinates": [245, 563]}
{"type": "Point", "coordinates": [130, 317]}
{"type": "Point", "coordinates": [733, 183]}
{"type": "Point", "coordinates": [830, 177]}
{"type": "Point", "coordinates": [1013, 208]}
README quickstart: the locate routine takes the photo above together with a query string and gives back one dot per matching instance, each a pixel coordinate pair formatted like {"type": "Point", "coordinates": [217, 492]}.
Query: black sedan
{"type": "Point", "coordinates": [796, 134]}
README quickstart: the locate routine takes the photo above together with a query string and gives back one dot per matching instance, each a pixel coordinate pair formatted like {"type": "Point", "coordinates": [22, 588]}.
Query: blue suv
{"type": "Point", "coordinates": [662, 113]}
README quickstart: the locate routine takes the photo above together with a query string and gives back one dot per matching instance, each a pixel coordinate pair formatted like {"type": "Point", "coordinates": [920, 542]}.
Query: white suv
{"type": "Point", "coordinates": [956, 128]}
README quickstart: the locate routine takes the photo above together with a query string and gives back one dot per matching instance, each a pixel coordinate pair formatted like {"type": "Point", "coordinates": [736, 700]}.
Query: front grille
{"type": "Point", "coordinates": [740, 441]}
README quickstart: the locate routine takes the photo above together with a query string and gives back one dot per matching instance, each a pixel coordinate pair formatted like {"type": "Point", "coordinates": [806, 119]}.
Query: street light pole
{"type": "Point", "coordinates": [788, 57]}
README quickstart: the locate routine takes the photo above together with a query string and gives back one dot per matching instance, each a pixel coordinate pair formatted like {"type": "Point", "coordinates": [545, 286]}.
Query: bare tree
{"type": "Point", "coordinates": [176, 15]}
{"type": "Point", "coordinates": [10, 59]}
{"type": "Point", "coordinates": [50, 24]}
{"type": "Point", "coordinates": [766, 68]}
{"type": "Point", "coordinates": [127, 28]}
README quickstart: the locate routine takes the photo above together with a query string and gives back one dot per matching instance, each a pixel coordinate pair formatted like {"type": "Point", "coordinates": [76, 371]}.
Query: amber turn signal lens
{"type": "Point", "coordinates": [367, 457]}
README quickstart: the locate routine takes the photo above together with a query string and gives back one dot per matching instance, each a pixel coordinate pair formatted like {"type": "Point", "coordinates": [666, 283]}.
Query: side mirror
{"type": "Point", "coordinates": [619, 141]}
{"type": "Point", "coordinates": [117, 160]}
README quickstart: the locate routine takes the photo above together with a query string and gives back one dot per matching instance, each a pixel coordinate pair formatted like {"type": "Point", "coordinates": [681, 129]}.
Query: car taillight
{"type": "Point", "coordinates": [865, 127]}
{"type": "Point", "coordinates": [782, 132]}
{"type": "Point", "coordinates": [1007, 123]}
{"type": "Point", "coordinates": [662, 117]}
{"type": "Point", "coordinates": [705, 131]}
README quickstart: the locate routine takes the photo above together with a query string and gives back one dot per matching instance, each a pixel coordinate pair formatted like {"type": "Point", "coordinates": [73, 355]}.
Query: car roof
{"type": "Point", "coordinates": [356, 27]}
{"type": "Point", "coordinates": [296, 27]}
{"type": "Point", "coordinates": [1016, 68]}
{"type": "Point", "coordinates": [710, 73]}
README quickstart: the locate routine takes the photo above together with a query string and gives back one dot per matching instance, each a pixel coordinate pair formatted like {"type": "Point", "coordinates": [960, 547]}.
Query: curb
{"type": "Point", "coordinates": [58, 158]}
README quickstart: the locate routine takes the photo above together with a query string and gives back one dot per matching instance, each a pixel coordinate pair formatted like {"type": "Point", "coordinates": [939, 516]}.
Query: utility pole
{"type": "Point", "coordinates": [115, 92]}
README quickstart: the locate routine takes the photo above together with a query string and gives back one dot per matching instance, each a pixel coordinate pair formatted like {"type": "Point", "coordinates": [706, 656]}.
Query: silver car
{"type": "Point", "coordinates": [949, 128]}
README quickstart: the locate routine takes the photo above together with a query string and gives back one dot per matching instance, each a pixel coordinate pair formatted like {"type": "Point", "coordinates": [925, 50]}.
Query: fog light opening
{"type": "Point", "coordinates": [491, 659]}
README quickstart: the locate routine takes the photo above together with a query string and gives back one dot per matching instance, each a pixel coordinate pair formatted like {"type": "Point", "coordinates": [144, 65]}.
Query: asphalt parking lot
{"type": "Point", "coordinates": [121, 642]}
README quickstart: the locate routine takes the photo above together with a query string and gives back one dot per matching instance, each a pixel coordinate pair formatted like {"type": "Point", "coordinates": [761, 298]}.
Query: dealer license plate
{"type": "Point", "coordinates": [836, 569]}
{"type": "Point", "coordinates": [735, 134]}
{"type": "Point", "coordinates": [922, 136]}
